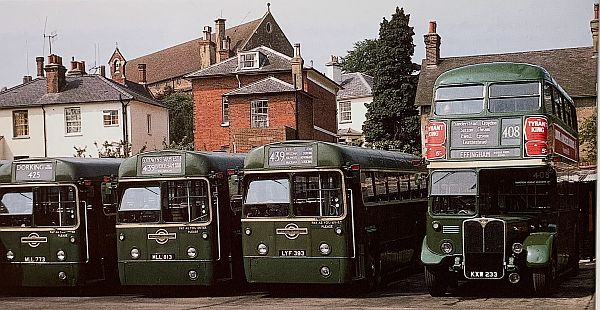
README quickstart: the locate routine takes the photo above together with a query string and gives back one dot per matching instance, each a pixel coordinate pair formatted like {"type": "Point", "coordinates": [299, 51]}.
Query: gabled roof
{"type": "Point", "coordinates": [78, 89]}
{"type": "Point", "coordinates": [273, 61]}
{"type": "Point", "coordinates": [355, 85]}
{"type": "Point", "coordinates": [264, 86]}
{"type": "Point", "coordinates": [573, 68]}
{"type": "Point", "coordinates": [349, 132]}
{"type": "Point", "coordinates": [184, 58]}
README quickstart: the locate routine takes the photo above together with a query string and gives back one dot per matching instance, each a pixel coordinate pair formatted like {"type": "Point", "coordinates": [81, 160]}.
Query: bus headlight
{"type": "Point", "coordinates": [10, 255]}
{"type": "Point", "coordinates": [193, 274]}
{"type": "Point", "coordinates": [436, 225]}
{"type": "Point", "coordinates": [204, 235]}
{"type": "Point", "coordinates": [72, 239]}
{"type": "Point", "coordinates": [325, 249]}
{"type": "Point", "coordinates": [517, 248]}
{"type": "Point", "coordinates": [338, 230]}
{"type": "Point", "coordinates": [191, 252]}
{"type": "Point", "coordinates": [446, 247]}
{"type": "Point", "coordinates": [248, 231]}
{"type": "Point", "coordinates": [60, 255]}
{"type": "Point", "coordinates": [262, 249]}
{"type": "Point", "coordinates": [135, 253]}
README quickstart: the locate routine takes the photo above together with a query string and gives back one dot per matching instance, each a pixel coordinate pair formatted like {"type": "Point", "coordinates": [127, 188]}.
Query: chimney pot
{"type": "Point", "coordinates": [297, 50]}
{"type": "Point", "coordinates": [103, 71]}
{"type": "Point", "coordinates": [27, 79]}
{"type": "Point", "coordinates": [142, 73]}
{"type": "Point", "coordinates": [74, 64]}
{"type": "Point", "coordinates": [40, 66]}
{"type": "Point", "coordinates": [432, 26]}
{"type": "Point", "coordinates": [594, 29]}
{"type": "Point", "coordinates": [595, 10]}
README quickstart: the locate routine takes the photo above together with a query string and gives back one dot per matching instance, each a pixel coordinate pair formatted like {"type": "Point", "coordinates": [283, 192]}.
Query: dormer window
{"type": "Point", "coordinates": [117, 65]}
{"type": "Point", "coordinates": [248, 60]}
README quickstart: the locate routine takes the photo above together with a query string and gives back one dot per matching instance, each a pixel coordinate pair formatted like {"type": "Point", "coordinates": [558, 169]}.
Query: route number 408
{"type": "Point", "coordinates": [277, 156]}
{"type": "Point", "coordinates": [511, 132]}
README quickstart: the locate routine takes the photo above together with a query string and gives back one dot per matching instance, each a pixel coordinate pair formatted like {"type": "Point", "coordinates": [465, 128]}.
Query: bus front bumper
{"type": "Point", "coordinates": [41, 274]}
{"type": "Point", "coordinates": [309, 270]}
{"type": "Point", "coordinates": [167, 273]}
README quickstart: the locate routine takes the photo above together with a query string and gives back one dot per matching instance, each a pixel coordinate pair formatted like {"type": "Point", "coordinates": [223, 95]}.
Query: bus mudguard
{"type": "Point", "coordinates": [428, 257]}
{"type": "Point", "coordinates": [539, 248]}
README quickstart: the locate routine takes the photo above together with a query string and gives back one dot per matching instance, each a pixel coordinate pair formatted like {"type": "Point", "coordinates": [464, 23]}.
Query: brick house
{"type": "Point", "coordinates": [573, 68]}
{"type": "Point", "coordinates": [61, 112]}
{"type": "Point", "coordinates": [261, 96]}
{"type": "Point", "coordinates": [165, 69]}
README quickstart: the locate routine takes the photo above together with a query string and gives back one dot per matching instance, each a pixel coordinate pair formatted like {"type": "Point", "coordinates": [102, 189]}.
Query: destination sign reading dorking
{"type": "Point", "coordinates": [169, 164]}
{"type": "Point", "coordinates": [291, 156]}
{"type": "Point", "coordinates": [38, 171]}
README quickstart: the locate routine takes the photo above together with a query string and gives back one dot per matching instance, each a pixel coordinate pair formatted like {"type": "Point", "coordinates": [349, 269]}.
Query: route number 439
{"type": "Point", "coordinates": [511, 132]}
{"type": "Point", "coordinates": [277, 156]}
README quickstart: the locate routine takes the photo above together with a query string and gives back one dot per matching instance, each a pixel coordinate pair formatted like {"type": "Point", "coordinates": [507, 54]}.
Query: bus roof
{"type": "Point", "coordinates": [493, 72]}
{"type": "Point", "coordinates": [66, 168]}
{"type": "Point", "coordinates": [193, 163]}
{"type": "Point", "coordinates": [329, 155]}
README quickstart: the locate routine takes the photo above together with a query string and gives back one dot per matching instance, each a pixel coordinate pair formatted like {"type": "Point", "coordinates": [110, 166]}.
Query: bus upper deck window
{"type": "Point", "coordinates": [514, 97]}
{"type": "Point", "coordinates": [454, 100]}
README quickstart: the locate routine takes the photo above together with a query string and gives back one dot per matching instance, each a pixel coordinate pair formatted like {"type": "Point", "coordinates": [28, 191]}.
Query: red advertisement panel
{"type": "Point", "coordinates": [536, 128]}
{"type": "Point", "coordinates": [536, 148]}
{"type": "Point", "coordinates": [564, 143]}
{"type": "Point", "coordinates": [435, 152]}
{"type": "Point", "coordinates": [436, 133]}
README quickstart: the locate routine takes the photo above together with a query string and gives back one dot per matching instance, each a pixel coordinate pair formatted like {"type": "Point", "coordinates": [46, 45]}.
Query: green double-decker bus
{"type": "Point", "coordinates": [502, 150]}
{"type": "Point", "coordinates": [323, 213]}
{"type": "Point", "coordinates": [176, 223]}
{"type": "Point", "coordinates": [54, 231]}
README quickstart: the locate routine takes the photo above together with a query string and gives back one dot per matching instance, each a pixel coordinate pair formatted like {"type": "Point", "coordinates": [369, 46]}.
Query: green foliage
{"type": "Point", "coordinates": [181, 117]}
{"type": "Point", "coordinates": [588, 137]}
{"type": "Point", "coordinates": [362, 58]}
{"type": "Point", "coordinates": [185, 144]}
{"type": "Point", "coordinates": [112, 149]}
{"type": "Point", "coordinates": [392, 119]}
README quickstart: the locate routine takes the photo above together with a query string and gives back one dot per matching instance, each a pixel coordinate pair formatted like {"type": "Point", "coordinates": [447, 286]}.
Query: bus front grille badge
{"type": "Point", "coordinates": [162, 236]}
{"type": "Point", "coordinates": [292, 231]}
{"type": "Point", "coordinates": [34, 240]}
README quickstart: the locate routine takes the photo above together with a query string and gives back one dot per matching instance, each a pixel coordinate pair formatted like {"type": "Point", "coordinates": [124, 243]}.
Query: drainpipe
{"type": "Point", "coordinates": [45, 135]}
{"type": "Point", "coordinates": [124, 105]}
{"type": "Point", "coordinates": [296, 110]}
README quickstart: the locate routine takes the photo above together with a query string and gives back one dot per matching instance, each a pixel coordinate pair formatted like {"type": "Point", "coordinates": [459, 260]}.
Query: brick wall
{"type": "Point", "coordinates": [245, 139]}
{"type": "Point", "coordinates": [324, 105]}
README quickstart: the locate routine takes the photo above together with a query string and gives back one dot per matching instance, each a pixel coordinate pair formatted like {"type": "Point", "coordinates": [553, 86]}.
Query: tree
{"type": "Point", "coordinates": [362, 58]}
{"type": "Point", "coordinates": [588, 137]}
{"type": "Point", "coordinates": [392, 120]}
{"type": "Point", "coordinates": [181, 119]}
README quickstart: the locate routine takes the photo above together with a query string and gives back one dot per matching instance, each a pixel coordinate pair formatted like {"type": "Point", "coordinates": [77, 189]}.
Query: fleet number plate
{"type": "Point", "coordinates": [483, 274]}
{"type": "Point", "coordinates": [292, 253]}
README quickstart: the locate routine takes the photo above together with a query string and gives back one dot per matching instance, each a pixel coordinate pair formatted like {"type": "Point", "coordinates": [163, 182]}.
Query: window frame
{"type": "Point", "coordinates": [149, 123]}
{"type": "Point", "coordinates": [345, 109]}
{"type": "Point", "coordinates": [255, 122]}
{"type": "Point", "coordinates": [113, 120]}
{"type": "Point", "coordinates": [24, 123]}
{"type": "Point", "coordinates": [225, 111]}
{"type": "Point", "coordinates": [484, 90]}
{"type": "Point", "coordinates": [539, 95]}
{"type": "Point", "coordinates": [245, 64]}
{"type": "Point", "coordinates": [74, 124]}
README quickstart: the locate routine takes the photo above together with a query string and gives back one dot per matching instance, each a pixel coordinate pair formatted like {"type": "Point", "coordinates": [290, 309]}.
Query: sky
{"type": "Point", "coordinates": [89, 30]}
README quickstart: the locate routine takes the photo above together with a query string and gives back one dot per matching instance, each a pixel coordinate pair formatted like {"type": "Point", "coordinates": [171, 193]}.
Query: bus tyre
{"type": "Point", "coordinates": [543, 279]}
{"type": "Point", "coordinates": [373, 270]}
{"type": "Point", "coordinates": [435, 281]}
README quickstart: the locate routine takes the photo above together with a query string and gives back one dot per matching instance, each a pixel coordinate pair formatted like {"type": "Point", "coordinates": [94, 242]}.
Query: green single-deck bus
{"type": "Point", "coordinates": [323, 213]}
{"type": "Point", "coordinates": [54, 231]}
{"type": "Point", "coordinates": [176, 225]}
{"type": "Point", "coordinates": [502, 151]}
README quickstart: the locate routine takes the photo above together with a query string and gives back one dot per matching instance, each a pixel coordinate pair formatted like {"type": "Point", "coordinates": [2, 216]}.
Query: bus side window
{"type": "Point", "coordinates": [548, 98]}
{"type": "Point", "coordinates": [367, 187]}
{"type": "Point", "coordinates": [109, 198]}
{"type": "Point", "coordinates": [381, 186]}
{"type": "Point", "coordinates": [556, 104]}
{"type": "Point", "coordinates": [404, 186]}
{"type": "Point", "coordinates": [567, 107]}
{"type": "Point", "coordinates": [573, 117]}
{"type": "Point", "coordinates": [393, 186]}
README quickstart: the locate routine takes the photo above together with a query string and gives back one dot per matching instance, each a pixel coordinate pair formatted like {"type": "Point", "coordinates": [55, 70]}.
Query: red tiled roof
{"type": "Point", "coordinates": [184, 58]}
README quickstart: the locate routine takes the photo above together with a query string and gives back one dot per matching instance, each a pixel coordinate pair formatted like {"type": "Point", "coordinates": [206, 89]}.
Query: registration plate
{"type": "Point", "coordinates": [483, 274]}
{"type": "Point", "coordinates": [35, 259]}
{"type": "Point", "coordinates": [162, 256]}
{"type": "Point", "coordinates": [292, 253]}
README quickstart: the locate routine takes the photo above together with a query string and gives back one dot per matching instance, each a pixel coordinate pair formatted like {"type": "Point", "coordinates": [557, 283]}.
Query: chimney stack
{"type": "Point", "coordinates": [77, 68]}
{"type": "Point", "coordinates": [40, 66]}
{"type": "Point", "coordinates": [225, 51]}
{"type": "Point", "coordinates": [55, 74]}
{"type": "Point", "coordinates": [27, 79]}
{"type": "Point", "coordinates": [103, 71]}
{"type": "Point", "coordinates": [432, 45]}
{"type": "Point", "coordinates": [594, 28]}
{"type": "Point", "coordinates": [207, 48]}
{"type": "Point", "coordinates": [334, 69]}
{"type": "Point", "coordinates": [142, 73]}
{"type": "Point", "coordinates": [297, 66]}
{"type": "Point", "coordinates": [220, 32]}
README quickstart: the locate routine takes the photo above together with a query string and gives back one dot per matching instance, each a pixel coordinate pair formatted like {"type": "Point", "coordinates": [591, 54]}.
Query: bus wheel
{"type": "Point", "coordinates": [543, 279]}
{"type": "Point", "coordinates": [373, 270]}
{"type": "Point", "coordinates": [435, 280]}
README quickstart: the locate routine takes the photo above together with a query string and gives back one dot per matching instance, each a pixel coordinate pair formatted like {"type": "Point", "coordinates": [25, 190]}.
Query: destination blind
{"type": "Point", "coordinates": [291, 156]}
{"type": "Point", "coordinates": [167, 164]}
{"type": "Point", "coordinates": [38, 171]}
